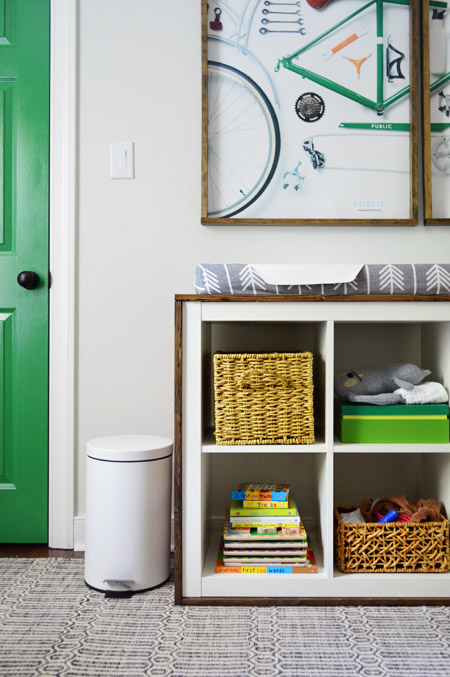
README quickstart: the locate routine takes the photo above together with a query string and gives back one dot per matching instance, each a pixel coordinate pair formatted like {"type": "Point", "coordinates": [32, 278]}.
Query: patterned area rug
{"type": "Point", "coordinates": [52, 624]}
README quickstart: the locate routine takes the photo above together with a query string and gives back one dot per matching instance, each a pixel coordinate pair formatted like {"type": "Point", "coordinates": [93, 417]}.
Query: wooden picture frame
{"type": "Point", "coordinates": [436, 116]}
{"type": "Point", "coordinates": [299, 181]}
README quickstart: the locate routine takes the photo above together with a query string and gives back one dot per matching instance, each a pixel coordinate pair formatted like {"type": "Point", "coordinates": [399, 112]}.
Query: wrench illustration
{"type": "Point", "coordinates": [275, 11]}
{"type": "Point", "coordinates": [292, 4]}
{"type": "Point", "coordinates": [270, 21]}
{"type": "Point", "coordinates": [264, 31]}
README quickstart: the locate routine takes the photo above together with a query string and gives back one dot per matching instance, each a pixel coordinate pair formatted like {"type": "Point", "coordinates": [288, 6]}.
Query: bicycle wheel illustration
{"type": "Point", "coordinates": [243, 140]}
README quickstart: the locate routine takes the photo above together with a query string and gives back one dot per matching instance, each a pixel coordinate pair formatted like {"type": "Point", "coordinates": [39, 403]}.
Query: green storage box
{"type": "Point", "coordinates": [399, 423]}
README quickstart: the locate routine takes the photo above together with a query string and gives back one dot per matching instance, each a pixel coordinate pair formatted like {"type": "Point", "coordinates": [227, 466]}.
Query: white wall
{"type": "Point", "coordinates": [139, 240]}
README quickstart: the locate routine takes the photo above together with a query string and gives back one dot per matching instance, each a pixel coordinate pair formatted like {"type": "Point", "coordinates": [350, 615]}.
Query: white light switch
{"type": "Point", "coordinates": [122, 160]}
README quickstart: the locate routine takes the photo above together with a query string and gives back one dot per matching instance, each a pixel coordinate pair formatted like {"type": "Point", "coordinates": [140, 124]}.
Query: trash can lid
{"type": "Point", "coordinates": [130, 448]}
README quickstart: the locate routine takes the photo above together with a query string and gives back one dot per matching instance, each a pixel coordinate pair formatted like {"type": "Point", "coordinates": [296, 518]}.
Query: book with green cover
{"type": "Point", "coordinates": [236, 510]}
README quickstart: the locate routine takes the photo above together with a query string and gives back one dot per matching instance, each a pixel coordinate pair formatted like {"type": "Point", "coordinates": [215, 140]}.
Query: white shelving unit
{"type": "Point", "coordinates": [341, 336]}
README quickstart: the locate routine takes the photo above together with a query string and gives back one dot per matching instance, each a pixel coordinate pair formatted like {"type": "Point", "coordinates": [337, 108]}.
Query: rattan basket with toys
{"type": "Point", "coordinates": [394, 547]}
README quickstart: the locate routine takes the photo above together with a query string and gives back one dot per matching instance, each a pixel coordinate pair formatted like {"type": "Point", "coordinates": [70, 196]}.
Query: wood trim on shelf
{"type": "Point", "coordinates": [178, 485]}
{"type": "Point", "coordinates": [315, 601]}
{"type": "Point", "coordinates": [295, 298]}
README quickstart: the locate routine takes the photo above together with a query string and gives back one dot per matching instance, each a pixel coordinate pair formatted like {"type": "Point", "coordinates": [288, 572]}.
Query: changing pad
{"type": "Point", "coordinates": [325, 280]}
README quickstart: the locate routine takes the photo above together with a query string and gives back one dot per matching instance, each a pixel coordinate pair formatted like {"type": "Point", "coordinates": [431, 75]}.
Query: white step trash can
{"type": "Point", "coordinates": [128, 507]}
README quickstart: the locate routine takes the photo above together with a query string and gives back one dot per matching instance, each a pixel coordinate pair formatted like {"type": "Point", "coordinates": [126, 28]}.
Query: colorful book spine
{"type": "Point", "coordinates": [266, 545]}
{"type": "Point", "coordinates": [265, 525]}
{"type": "Point", "coordinates": [265, 504]}
{"type": "Point", "coordinates": [261, 492]}
{"type": "Point", "coordinates": [308, 567]}
{"type": "Point", "coordinates": [263, 553]}
{"type": "Point", "coordinates": [255, 561]}
{"type": "Point", "coordinates": [265, 519]}
{"type": "Point", "coordinates": [236, 510]}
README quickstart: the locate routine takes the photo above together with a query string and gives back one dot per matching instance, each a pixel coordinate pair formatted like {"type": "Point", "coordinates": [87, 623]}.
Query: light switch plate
{"type": "Point", "coordinates": [122, 160]}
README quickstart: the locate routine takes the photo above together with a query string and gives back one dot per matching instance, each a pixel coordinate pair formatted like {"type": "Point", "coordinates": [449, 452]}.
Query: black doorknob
{"type": "Point", "coordinates": [28, 279]}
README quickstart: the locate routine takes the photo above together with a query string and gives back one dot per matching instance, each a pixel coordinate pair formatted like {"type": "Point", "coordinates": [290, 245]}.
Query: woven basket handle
{"type": "Point", "coordinates": [261, 380]}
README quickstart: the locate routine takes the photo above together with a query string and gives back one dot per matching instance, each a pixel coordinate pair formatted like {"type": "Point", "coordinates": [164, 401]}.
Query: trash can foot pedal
{"type": "Point", "coordinates": [118, 588]}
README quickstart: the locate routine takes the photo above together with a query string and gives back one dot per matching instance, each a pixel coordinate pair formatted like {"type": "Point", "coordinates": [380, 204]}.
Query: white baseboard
{"type": "Point", "coordinates": [79, 533]}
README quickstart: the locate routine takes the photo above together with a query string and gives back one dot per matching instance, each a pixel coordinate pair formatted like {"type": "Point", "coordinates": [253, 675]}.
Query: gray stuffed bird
{"type": "Point", "coordinates": [376, 386]}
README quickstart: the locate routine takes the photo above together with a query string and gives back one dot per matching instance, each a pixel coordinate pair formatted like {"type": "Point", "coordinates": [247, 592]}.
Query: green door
{"type": "Point", "coordinates": [24, 170]}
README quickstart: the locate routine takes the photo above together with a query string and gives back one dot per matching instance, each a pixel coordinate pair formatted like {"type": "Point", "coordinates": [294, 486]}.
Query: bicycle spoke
{"type": "Point", "coordinates": [211, 109]}
{"type": "Point", "coordinates": [239, 181]}
{"type": "Point", "coordinates": [221, 111]}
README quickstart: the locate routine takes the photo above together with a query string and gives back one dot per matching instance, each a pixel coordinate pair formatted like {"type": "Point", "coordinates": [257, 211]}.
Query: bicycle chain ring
{"type": "Point", "coordinates": [310, 107]}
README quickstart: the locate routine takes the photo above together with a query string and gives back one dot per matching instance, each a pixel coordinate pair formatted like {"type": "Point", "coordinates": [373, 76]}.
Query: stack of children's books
{"type": "Point", "coordinates": [263, 533]}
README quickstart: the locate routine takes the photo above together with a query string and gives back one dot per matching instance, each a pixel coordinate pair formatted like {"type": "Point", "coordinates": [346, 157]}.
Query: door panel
{"type": "Point", "coordinates": [24, 169]}
{"type": "Point", "coordinates": [6, 102]}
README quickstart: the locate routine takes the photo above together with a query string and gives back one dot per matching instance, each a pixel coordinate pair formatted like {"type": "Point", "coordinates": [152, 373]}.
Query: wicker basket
{"type": "Point", "coordinates": [263, 398]}
{"type": "Point", "coordinates": [408, 547]}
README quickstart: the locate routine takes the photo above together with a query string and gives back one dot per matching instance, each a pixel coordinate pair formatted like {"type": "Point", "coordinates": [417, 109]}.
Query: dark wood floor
{"type": "Point", "coordinates": [36, 550]}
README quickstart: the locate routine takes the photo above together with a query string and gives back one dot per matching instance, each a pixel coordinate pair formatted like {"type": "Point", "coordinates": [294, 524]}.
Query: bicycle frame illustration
{"type": "Point", "coordinates": [380, 103]}
{"type": "Point", "coordinates": [244, 140]}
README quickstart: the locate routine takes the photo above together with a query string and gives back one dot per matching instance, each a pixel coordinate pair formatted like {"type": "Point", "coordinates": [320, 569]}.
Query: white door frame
{"type": "Point", "coordinates": [63, 210]}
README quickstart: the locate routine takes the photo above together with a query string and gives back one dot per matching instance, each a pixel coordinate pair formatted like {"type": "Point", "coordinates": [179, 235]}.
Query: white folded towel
{"type": "Point", "coordinates": [430, 392]}
{"type": "Point", "coordinates": [354, 517]}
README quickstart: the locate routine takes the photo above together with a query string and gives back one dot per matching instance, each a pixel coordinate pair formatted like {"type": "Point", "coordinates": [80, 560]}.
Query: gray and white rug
{"type": "Point", "coordinates": [52, 624]}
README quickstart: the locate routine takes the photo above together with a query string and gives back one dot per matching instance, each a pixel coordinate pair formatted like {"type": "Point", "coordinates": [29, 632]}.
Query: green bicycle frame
{"type": "Point", "coordinates": [380, 104]}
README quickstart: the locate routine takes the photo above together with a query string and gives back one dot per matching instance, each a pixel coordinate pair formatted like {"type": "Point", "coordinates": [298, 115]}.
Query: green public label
{"type": "Point", "coordinates": [378, 126]}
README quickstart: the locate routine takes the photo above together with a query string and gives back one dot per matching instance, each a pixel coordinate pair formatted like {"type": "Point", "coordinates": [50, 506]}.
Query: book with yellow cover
{"type": "Point", "coordinates": [237, 510]}
{"type": "Point", "coordinates": [265, 504]}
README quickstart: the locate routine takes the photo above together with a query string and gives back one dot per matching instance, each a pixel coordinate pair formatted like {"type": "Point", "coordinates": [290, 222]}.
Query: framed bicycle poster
{"type": "Point", "coordinates": [436, 112]}
{"type": "Point", "coordinates": [309, 112]}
